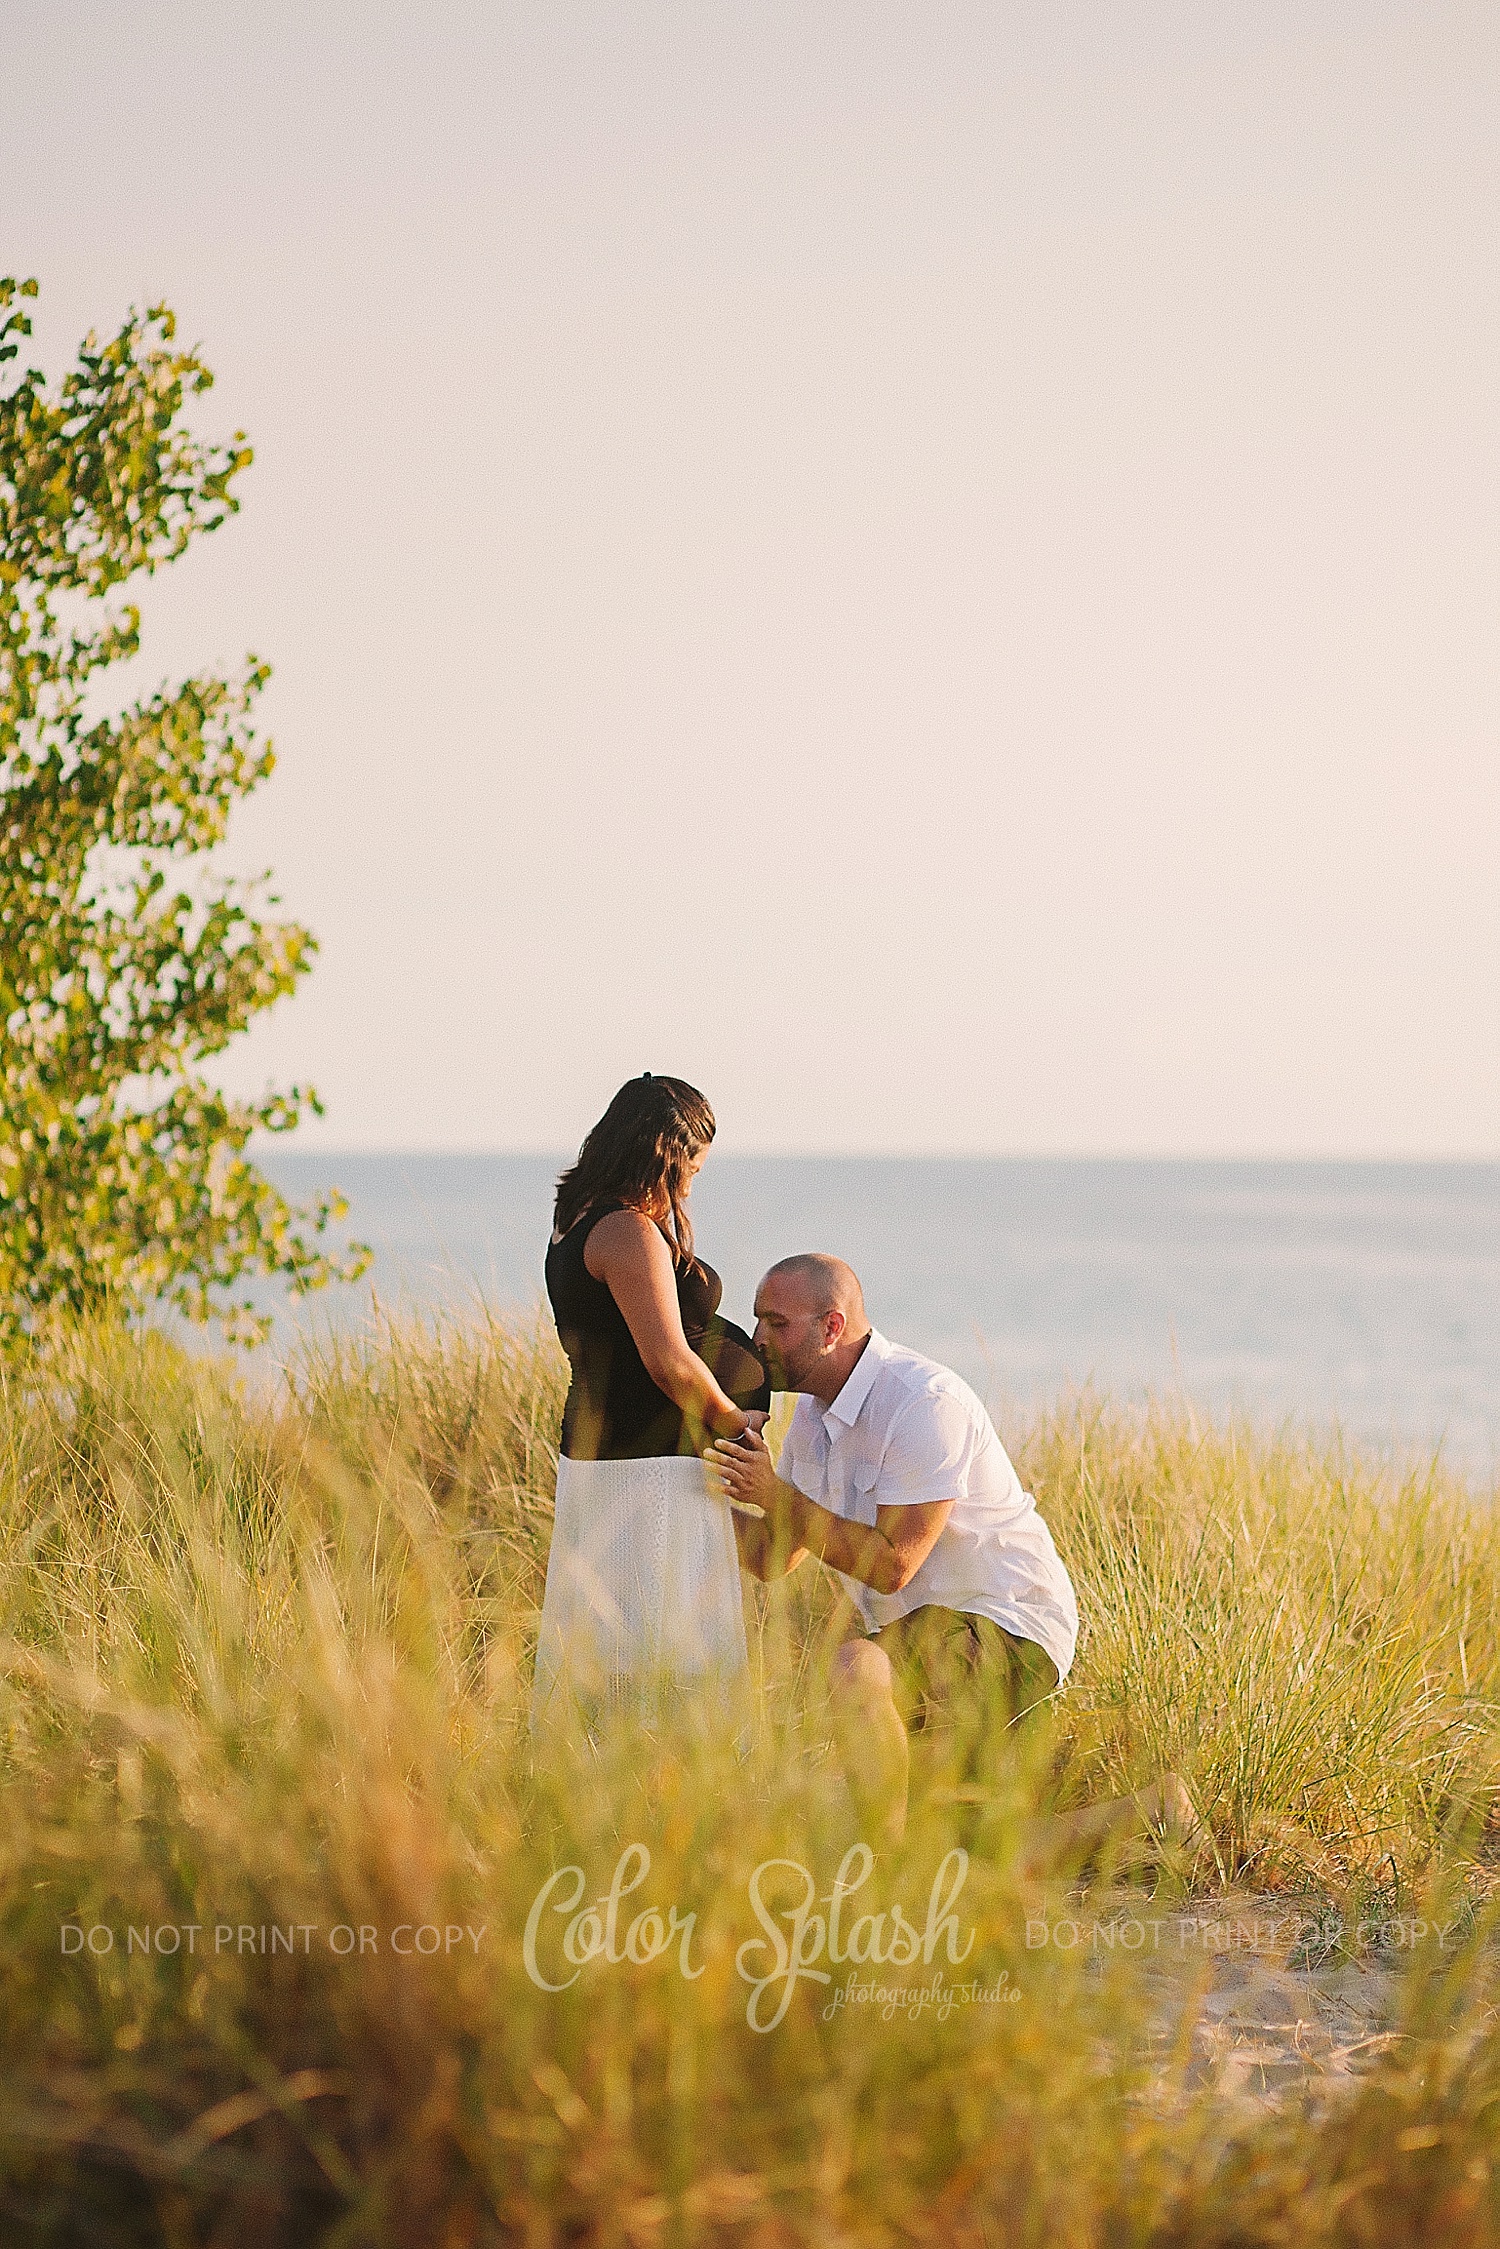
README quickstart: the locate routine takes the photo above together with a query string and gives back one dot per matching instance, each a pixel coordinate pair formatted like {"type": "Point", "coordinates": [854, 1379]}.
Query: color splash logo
{"type": "Point", "coordinates": [798, 1943]}
{"type": "Point", "coordinates": [797, 1940]}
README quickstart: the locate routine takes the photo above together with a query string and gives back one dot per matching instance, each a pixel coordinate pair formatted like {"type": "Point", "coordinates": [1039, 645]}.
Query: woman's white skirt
{"type": "Point", "coordinates": [643, 1584]}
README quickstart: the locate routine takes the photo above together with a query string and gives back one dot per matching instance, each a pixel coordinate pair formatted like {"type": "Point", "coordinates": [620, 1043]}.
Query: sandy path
{"type": "Point", "coordinates": [1246, 1996]}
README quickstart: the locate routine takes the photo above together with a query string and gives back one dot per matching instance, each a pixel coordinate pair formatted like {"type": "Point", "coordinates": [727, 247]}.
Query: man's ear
{"type": "Point", "coordinates": [834, 1324]}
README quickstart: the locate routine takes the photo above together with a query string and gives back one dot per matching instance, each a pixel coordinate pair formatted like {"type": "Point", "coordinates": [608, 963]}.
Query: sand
{"type": "Point", "coordinates": [1262, 2000]}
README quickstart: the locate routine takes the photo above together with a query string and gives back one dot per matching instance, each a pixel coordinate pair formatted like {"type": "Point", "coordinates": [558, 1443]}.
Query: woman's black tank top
{"type": "Point", "coordinates": [614, 1410]}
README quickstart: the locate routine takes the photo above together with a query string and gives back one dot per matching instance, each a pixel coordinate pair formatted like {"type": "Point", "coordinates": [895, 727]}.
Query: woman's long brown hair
{"type": "Point", "coordinates": [638, 1153]}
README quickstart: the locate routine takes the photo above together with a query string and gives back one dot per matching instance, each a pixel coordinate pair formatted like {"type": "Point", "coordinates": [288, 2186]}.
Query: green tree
{"type": "Point", "coordinates": [127, 958]}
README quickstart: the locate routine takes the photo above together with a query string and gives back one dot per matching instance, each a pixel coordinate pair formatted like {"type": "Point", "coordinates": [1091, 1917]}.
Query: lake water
{"type": "Point", "coordinates": [1366, 1293]}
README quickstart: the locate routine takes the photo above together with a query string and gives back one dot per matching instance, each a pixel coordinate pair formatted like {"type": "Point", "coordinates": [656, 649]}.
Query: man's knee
{"type": "Point", "coordinates": [862, 1673]}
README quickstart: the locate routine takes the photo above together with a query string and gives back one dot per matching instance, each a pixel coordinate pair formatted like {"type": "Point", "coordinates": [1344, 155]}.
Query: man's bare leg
{"type": "Point", "coordinates": [871, 1737]}
{"type": "Point", "coordinates": [876, 1756]}
{"type": "Point", "coordinates": [1165, 1808]}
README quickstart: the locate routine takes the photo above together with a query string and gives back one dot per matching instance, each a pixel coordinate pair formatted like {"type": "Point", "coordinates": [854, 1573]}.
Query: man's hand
{"type": "Point", "coordinates": [742, 1468]}
{"type": "Point", "coordinates": [885, 1555]}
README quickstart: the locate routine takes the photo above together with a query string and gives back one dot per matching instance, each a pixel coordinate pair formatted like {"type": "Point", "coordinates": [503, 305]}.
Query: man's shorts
{"type": "Point", "coordinates": [951, 1666]}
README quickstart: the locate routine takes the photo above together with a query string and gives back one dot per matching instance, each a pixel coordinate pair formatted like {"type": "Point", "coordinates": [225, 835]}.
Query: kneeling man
{"type": "Point", "coordinates": [893, 1475]}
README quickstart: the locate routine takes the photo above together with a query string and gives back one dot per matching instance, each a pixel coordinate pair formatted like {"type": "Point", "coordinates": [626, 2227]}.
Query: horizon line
{"type": "Point", "coordinates": [269, 1144]}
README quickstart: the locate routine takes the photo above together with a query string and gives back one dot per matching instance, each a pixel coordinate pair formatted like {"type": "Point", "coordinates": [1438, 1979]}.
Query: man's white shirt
{"type": "Point", "coordinates": [904, 1430]}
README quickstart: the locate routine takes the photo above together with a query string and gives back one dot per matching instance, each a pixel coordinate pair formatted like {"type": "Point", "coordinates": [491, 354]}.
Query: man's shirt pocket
{"type": "Point", "coordinates": [864, 1475]}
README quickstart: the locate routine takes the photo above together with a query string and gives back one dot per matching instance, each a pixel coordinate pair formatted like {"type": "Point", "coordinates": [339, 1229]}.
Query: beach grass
{"type": "Point", "coordinates": [291, 1951]}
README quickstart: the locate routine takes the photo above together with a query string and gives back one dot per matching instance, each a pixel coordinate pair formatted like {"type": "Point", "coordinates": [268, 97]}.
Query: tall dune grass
{"type": "Point", "coordinates": [263, 1671]}
{"type": "Point", "coordinates": [1309, 1635]}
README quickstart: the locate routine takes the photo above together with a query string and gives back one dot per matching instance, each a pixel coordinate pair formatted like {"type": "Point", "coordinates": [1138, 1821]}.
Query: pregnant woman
{"type": "Point", "coordinates": [643, 1582]}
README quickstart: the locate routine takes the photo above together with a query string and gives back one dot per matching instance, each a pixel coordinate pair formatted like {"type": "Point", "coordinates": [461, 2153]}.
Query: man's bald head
{"type": "Point", "coordinates": [824, 1284]}
{"type": "Point", "coordinates": [810, 1323]}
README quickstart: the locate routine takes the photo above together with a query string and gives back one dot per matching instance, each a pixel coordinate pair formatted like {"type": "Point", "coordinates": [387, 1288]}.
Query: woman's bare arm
{"type": "Point", "coordinates": [631, 1257]}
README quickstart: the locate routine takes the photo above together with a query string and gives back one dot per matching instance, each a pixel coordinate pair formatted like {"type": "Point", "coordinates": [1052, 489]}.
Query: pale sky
{"type": "Point", "coordinates": [933, 568]}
